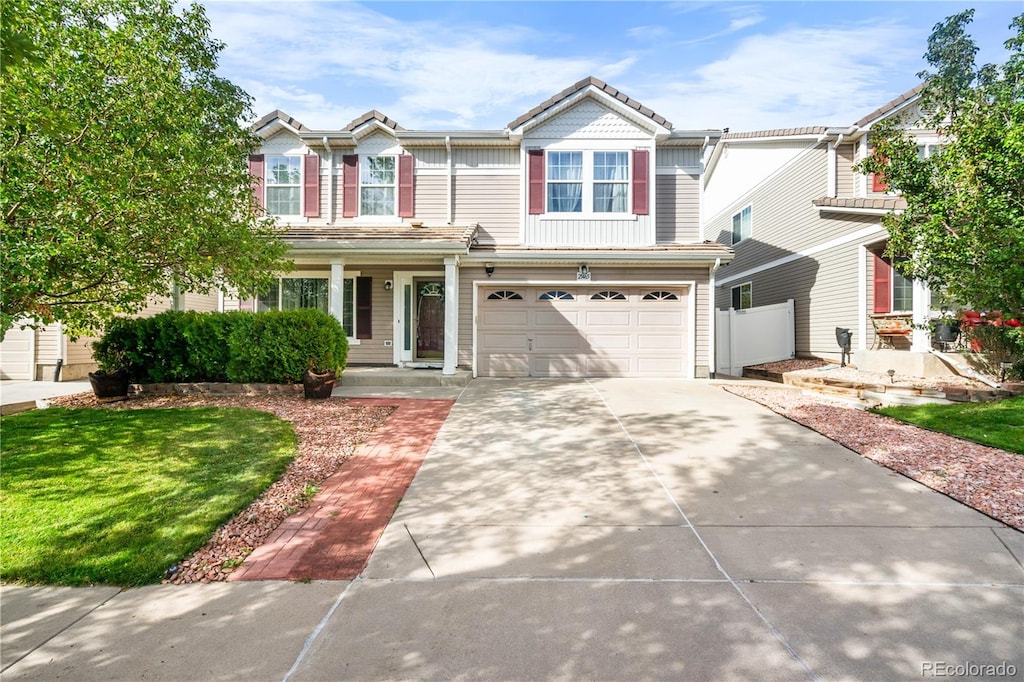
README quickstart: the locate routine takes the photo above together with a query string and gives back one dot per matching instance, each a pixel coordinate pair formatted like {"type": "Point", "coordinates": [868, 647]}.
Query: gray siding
{"type": "Point", "coordinates": [493, 202]}
{"type": "Point", "coordinates": [431, 198]}
{"type": "Point", "coordinates": [486, 157]}
{"type": "Point", "coordinates": [844, 174]}
{"type": "Point", "coordinates": [783, 218]}
{"type": "Point", "coordinates": [678, 207]}
{"type": "Point", "coordinates": [678, 157]}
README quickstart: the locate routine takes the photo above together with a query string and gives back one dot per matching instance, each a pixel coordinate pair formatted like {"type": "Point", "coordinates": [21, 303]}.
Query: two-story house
{"type": "Point", "coordinates": [805, 226]}
{"type": "Point", "coordinates": [567, 244]}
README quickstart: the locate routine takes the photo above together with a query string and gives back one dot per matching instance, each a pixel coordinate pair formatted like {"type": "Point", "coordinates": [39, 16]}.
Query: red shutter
{"type": "Point", "coordinates": [641, 173]}
{"type": "Point", "coordinates": [256, 165]}
{"type": "Point", "coordinates": [350, 182]}
{"type": "Point", "coordinates": [406, 197]}
{"type": "Point", "coordinates": [364, 298]}
{"type": "Point", "coordinates": [311, 185]}
{"type": "Point", "coordinates": [883, 285]}
{"type": "Point", "coordinates": [878, 183]}
{"type": "Point", "coordinates": [536, 181]}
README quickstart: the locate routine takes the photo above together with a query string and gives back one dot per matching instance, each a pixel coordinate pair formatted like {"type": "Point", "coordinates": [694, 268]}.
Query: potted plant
{"type": "Point", "coordinates": [110, 382]}
{"type": "Point", "coordinates": [946, 329]}
{"type": "Point", "coordinates": [109, 386]}
{"type": "Point", "coordinates": [318, 384]}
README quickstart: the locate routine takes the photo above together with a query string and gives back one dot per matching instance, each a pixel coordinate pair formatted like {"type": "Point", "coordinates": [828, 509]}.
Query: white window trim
{"type": "Point", "coordinates": [732, 235]}
{"type": "Point", "coordinates": [267, 185]}
{"type": "Point", "coordinates": [750, 286]}
{"type": "Point", "coordinates": [319, 274]}
{"type": "Point", "coordinates": [386, 217]}
{"type": "Point", "coordinates": [588, 182]}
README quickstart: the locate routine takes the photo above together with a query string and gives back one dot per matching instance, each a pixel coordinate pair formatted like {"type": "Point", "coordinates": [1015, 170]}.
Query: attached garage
{"type": "Point", "coordinates": [565, 330]}
{"type": "Point", "coordinates": [17, 354]}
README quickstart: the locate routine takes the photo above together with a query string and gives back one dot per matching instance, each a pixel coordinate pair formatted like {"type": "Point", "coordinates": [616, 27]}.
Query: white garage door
{"type": "Point", "coordinates": [16, 352]}
{"type": "Point", "coordinates": [554, 331]}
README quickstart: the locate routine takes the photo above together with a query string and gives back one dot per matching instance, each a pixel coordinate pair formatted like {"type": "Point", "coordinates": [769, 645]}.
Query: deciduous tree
{"type": "Point", "coordinates": [122, 162]}
{"type": "Point", "coordinates": [964, 222]}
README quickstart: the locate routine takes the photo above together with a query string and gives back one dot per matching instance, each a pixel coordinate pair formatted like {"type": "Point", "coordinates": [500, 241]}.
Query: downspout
{"type": "Point", "coordinates": [330, 180]}
{"type": "Point", "coordinates": [712, 348]}
{"type": "Point", "coordinates": [700, 187]}
{"type": "Point", "coordinates": [60, 352]}
{"type": "Point", "coordinates": [448, 149]}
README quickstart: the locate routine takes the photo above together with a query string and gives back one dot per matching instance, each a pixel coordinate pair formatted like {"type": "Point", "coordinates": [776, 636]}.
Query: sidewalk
{"type": "Point", "coordinates": [18, 396]}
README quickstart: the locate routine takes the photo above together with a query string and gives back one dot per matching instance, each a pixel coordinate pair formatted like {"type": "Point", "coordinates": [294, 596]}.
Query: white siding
{"type": "Point", "coordinates": [588, 119]}
{"type": "Point", "coordinates": [595, 232]}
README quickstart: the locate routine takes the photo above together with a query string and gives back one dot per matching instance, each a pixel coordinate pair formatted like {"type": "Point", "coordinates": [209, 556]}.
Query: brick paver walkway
{"type": "Point", "coordinates": [333, 537]}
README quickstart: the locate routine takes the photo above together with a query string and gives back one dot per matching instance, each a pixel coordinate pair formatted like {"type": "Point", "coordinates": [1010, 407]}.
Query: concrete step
{"type": "Point", "coordinates": [402, 376]}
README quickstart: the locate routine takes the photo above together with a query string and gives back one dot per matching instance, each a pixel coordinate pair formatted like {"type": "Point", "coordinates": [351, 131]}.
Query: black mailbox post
{"type": "Point", "coordinates": [843, 338]}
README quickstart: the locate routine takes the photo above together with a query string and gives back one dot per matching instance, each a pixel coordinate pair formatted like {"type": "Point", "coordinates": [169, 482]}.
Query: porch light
{"type": "Point", "coordinates": [388, 285]}
{"type": "Point", "coordinates": [489, 268]}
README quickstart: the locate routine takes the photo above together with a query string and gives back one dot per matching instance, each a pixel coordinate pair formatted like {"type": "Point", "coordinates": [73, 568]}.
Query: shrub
{"type": "Point", "coordinates": [179, 346]}
{"type": "Point", "coordinates": [277, 347]}
{"type": "Point", "coordinates": [1004, 344]}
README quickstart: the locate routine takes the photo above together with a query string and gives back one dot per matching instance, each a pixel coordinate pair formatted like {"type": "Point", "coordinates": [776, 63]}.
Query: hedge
{"type": "Point", "coordinates": [272, 347]}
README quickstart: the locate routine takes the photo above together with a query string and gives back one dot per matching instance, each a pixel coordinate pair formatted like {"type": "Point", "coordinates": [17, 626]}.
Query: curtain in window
{"type": "Point", "coordinates": [565, 182]}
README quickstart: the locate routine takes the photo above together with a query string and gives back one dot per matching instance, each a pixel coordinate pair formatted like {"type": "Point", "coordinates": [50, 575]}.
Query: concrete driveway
{"type": "Point", "coordinates": [606, 529]}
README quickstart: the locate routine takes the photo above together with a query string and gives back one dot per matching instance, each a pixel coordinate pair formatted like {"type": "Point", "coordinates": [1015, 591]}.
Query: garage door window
{"type": "Point", "coordinates": [504, 296]}
{"type": "Point", "coordinates": [660, 296]}
{"type": "Point", "coordinates": [608, 296]}
{"type": "Point", "coordinates": [556, 296]}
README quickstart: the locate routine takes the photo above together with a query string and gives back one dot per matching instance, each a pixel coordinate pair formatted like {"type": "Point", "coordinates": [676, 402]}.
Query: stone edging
{"type": "Point", "coordinates": [213, 388]}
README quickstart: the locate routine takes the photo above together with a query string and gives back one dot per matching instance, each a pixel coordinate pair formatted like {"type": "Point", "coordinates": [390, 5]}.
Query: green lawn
{"type": "Point", "coordinates": [118, 496]}
{"type": "Point", "coordinates": [999, 424]}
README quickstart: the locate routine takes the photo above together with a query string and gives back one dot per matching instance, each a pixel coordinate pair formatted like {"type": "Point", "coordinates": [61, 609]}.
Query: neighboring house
{"type": "Point", "coordinates": [47, 354]}
{"type": "Point", "coordinates": [805, 226]}
{"type": "Point", "coordinates": [567, 244]}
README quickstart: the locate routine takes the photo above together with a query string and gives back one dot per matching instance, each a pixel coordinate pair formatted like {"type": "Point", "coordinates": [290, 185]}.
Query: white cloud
{"type": "Point", "coordinates": [438, 74]}
{"type": "Point", "coordinates": [806, 76]}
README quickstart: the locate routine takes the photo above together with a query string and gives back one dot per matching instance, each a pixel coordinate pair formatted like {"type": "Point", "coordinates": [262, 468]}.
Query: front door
{"type": "Point", "coordinates": [429, 319]}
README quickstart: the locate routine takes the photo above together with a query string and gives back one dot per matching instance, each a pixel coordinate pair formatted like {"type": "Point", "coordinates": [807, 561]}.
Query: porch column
{"type": "Point", "coordinates": [337, 297]}
{"type": "Point", "coordinates": [922, 338]}
{"type": "Point", "coordinates": [451, 314]}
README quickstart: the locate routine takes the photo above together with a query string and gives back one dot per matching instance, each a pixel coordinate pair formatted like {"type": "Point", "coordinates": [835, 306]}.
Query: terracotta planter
{"type": "Point", "coordinates": [317, 386]}
{"type": "Point", "coordinates": [109, 387]}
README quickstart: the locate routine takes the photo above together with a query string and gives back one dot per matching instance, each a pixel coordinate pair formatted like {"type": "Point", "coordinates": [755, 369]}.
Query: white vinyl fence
{"type": "Point", "coordinates": [754, 335]}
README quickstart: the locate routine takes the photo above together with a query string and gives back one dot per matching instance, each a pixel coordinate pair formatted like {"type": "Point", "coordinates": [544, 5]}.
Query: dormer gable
{"type": "Point", "coordinates": [275, 122]}
{"type": "Point", "coordinates": [372, 122]}
{"type": "Point", "coordinates": [590, 91]}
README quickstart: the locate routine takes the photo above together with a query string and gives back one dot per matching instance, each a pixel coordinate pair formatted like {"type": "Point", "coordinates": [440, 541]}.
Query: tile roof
{"type": "Point", "coordinates": [777, 132]}
{"type": "Point", "coordinates": [889, 106]}
{"type": "Point", "coordinates": [579, 85]}
{"type": "Point", "coordinates": [277, 114]}
{"type": "Point", "coordinates": [372, 115]}
{"type": "Point", "coordinates": [874, 203]}
{"type": "Point", "coordinates": [356, 234]}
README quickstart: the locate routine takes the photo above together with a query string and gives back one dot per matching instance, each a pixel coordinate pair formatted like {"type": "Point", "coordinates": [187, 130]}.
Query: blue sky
{"type": "Point", "coordinates": [479, 65]}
